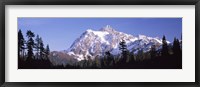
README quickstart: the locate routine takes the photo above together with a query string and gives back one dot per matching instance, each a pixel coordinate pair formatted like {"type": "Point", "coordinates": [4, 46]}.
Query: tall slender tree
{"type": "Point", "coordinates": [176, 47]}
{"type": "Point", "coordinates": [30, 44]}
{"type": "Point", "coordinates": [165, 50]}
{"type": "Point", "coordinates": [47, 51]}
{"type": "Point", "coordinates": [21, 46]}
{"type": "Point", "coordinates": [177, 52]}
{"type": "Point", "coordinates": [37, 46]}
{"type": "Point", "coordinates": [42, 50]}
{"type": "Point", "coordinates": [123, 48]}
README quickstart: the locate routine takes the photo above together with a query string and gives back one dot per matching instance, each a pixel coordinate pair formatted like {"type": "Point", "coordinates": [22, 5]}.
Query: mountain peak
{"type": "Point", "coordinates": [107, 28]}
{"type": "Point", "coordinates": [89, 30]}
{"type": "Point", "coordinates": [140, 36]}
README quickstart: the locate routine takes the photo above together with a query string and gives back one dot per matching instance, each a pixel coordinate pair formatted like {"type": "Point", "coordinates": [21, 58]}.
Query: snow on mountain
{"type": "Point", "coordinates": [95, 43]}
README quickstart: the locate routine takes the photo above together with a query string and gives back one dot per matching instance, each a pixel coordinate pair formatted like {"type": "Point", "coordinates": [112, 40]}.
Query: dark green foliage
{"type": "Point", "coordinates": [21, 47]}
{"type": "Point", "coordinates": [176, 47]}
{"type": "Point", "coordinates": [21, 43]}
{"type": "Point", "coordinates": [177, 51]}
{"type": "Point", "coordinates": [47, 51]}
{"type": "Point", "coordinates": [165, 50]}
{"type": "Point", "coordinates": [37, 46]}
{"type": "Point", "coordinates": [123, 48]}
{"type": "Point", "coordinates": [30, 44]}
{"type": "Point", "coordinates": [41, 47]}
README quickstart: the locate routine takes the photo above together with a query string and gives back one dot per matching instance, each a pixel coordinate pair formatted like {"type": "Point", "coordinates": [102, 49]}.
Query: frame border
{"type": "Point", "coordinates": [3, 3]}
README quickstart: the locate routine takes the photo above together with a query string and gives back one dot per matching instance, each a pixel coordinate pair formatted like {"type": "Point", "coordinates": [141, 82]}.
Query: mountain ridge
{"type": "Point", "coordinates": [95, 43]}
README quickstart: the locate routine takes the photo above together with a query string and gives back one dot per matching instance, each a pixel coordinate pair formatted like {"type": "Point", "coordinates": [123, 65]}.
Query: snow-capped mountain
{"type": "Point", "coordinates": [93, 43]}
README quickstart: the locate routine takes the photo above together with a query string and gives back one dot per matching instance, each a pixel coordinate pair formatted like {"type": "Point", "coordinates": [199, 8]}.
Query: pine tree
{"type": "Point", "coordinates": [47, 51]}
{"type": "Point", "coordinates": [123, 48]}
{"type": "Point", "coordinates": [37, 46]}
{"type": "Point", "coordinates": [165, 50]}
{"type": "Point", "coordinates": [21, 43]}
{"type": "Point", "coordinates": [41, 47]}
{"type": "Point", "coordinates": [176, 47]}
{"type": "Point", "coordinates": [30, 44]}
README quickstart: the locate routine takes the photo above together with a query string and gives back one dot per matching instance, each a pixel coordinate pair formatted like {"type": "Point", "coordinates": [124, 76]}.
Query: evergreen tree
{"type": "Point", "coordinates": [37, 46]}
{"type": "Point", "coordinates": [41, 48]}
{"type": "Point", "coordinates": [123, 48]}
{"type": "Point", "coordinates": [176, 47]}
{"type": "Point", "coordinates": [30, 44]}
{"type": "Point", "coordinates": [21, 43]}
{"type": "Point", "coordinates": [165, 50]}
{"type": "Point", "coordinates": [47, 51]}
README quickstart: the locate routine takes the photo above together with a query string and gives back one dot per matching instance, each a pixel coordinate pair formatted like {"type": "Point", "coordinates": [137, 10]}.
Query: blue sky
{"type": "Point", "coordinates": [60, 33]}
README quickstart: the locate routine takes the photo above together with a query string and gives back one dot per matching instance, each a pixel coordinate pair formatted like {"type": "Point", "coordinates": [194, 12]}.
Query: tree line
{"type": "Point", "coordinates": [32, 53]}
